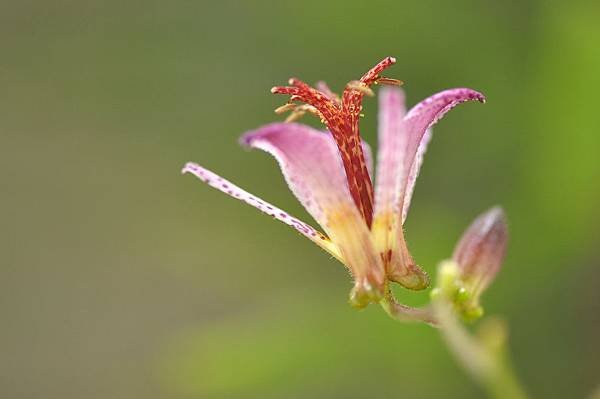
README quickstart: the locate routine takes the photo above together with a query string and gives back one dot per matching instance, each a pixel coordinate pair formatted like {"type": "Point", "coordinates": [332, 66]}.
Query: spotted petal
{"type": "Point", "coordinates": [403, 139]}
{"type": "Point", "coordinates": [392, 143]}
{"type": "Point", "coordinates": [368, 157]}
{"type": "Point", "coordinates": [310, 164]}
{"type": "Point", "coordinates": [387, 229]}
{"type": "Point", "coordinates": [413, 173]}
{"type": "Point", "coordinates": [419, 121]}
{"type": "Point", "coordinates": [231, 189]}
{"type": "Point", "coordinates": [312, 167]}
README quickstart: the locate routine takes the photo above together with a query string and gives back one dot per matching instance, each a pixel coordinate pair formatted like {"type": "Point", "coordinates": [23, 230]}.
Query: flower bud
{"type": "Point", "coordinates": [481, 250]}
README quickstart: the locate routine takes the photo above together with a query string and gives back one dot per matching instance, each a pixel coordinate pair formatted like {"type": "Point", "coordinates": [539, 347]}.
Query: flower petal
{"type": "Point", "coordinates": [403, 141]}
{"type": "Point", "coordinates": [413, 173]}
{"type": "Point", "coordinates": [231, 189]}
{"type": "Point", "coordinates": [310, 163]}
{"type": "Point", "coordinates": [352, 236]}
{"type": "Point", "coordinates": [419, 120]}
{"type": "Point", "coordinates": [368, 157]}
{"type": "Point", "coordinates": [312, 167]}
{"type": "Point", "coordinates": [391, 152]}
{"type": "Point", "coordinates": [387, 228]}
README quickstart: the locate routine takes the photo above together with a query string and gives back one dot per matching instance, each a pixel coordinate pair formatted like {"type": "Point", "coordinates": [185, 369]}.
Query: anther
{"type": "Point", "coordinates": [389, 81]}
{"type": "Point", "coordinates": [298, 111]}
{"type": "Point", "coordinates": [361, 87]}
{"type": "Point", "coordinates": [295, 115]}
{"type": "Point", "coordinates": [285, 108]}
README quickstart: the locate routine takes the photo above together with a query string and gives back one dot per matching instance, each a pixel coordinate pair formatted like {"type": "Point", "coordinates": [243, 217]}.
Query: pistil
{"type": "Point", "coordinates": [341, 118]}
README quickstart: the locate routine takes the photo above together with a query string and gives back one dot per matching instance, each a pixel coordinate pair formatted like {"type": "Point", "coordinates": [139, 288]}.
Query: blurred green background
{"type": "Point", "coordinates": [122, 279]}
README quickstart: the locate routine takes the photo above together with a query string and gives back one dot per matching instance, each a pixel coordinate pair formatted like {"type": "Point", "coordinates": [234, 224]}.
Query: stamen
{"type": "Point", "coordinates": [285, 108]}
{"type": "Point", "coordinates": [389, 81]}
{"type": "Point", "coordinates": [360, 86]}
{"type": "Point", "coordinates": [298, 111]}
{"type": "Point", "coordinates": [294, 116]}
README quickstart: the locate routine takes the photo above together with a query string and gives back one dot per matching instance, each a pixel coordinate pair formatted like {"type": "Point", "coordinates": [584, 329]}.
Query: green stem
{"type": "Point", "coordinates": [406, 313]}
{"type": "Point", "coordinates": [484, 357]}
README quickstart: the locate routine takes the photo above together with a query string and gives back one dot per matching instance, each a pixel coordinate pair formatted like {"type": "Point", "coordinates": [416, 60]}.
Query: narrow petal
{"type": "Point", "coordinates": [413, 172]}
{"type": "Point", "coordinates": [368, 157]}
{"type": "Point", "coordinates": [419, 121]}
{"type": "Point", "coordinates": [231, 189]}
{"type": "Point", "coordinates": [403, 140]}
{"type": "Point", "coordinates": [312, 167]}
{"type": "Point", "coordinates": [391, 152]}
{"type": "Point", "coordinates": [387, 228]}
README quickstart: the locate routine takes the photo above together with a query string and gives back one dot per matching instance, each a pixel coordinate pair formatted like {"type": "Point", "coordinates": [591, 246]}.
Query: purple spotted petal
{"type": "Point", "coordinates": [403, 139]}
{"type": "Point", "coordinates": [310, 163]}
{"type": "Point", "coordinates": [387, 228]}
{"type": "Point", "coordinates": [231, 189]}
{"type": "Point", "coordinates": [368, 157]}
{"type": "Point", "coordinates": [419, 120]}
{"type": "Point", "coordinates": [312, 167]}
{"type": "Point", "coordinates": [392, 150]}
{"type": "Point", "coordinates": [413, 173]}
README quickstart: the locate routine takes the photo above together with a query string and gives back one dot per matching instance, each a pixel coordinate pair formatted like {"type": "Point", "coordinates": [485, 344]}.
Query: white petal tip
{"type": "Point", "coordinates": [496, 213]}
{"type": "Point", "coordinates": [189, 167]}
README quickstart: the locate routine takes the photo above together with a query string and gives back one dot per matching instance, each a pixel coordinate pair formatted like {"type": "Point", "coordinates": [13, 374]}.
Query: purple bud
{"type": "Point", "coordinates": [481, 250]}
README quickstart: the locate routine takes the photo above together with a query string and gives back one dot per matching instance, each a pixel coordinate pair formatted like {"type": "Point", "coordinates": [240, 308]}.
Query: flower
{"type": "Point", "coordinates": [330, 172]}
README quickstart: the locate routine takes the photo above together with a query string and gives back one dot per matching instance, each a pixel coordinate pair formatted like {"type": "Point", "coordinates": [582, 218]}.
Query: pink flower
{"type": "Point", "coordinates": [330, 172]}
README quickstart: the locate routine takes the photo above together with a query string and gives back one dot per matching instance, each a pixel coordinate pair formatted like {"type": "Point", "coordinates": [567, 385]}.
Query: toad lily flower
{"type": "Point", "coordinates": [330, 174]}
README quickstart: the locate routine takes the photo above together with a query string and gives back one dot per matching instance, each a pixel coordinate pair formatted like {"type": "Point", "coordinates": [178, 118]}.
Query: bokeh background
{"type": "Point", "coordinates": [122, 279]}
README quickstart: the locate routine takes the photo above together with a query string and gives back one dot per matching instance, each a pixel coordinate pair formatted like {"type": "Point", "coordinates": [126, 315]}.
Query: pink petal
{"type": "Point", "coordinates": [413, 173]}
{"type": "Point", "coordinates": [231, 189]}
{"type": "Point", "coordinates": [387, 228]}
{"type": "Point", "coordinates": [391, 152]}
{"type": "Point", "coordinates": [368, 157]}
{"type": "Point", "coordinates": [403, 139]}
{"type": "Point", "coordinates": [310, 163]}
{"type": "Point", "coordinates": [312, 167]}
{"type": "Point", "coordinates": [433, 108]}
{"type": "Point", "coordinates": [419, 120]}
{"type": "Point", "coordinates": [350, 233]}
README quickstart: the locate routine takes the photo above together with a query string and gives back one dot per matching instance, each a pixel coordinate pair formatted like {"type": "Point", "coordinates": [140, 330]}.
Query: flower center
{"type": "Point", "coordinates": [341, 116]}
